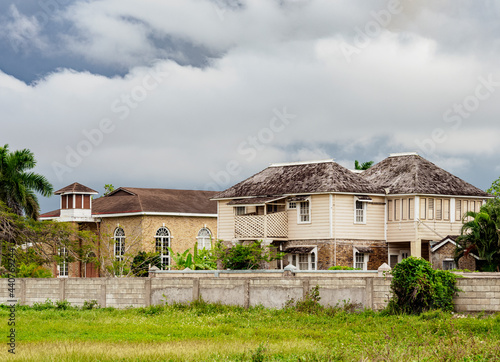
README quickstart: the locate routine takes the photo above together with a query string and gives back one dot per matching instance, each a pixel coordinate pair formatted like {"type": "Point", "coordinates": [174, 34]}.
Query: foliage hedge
{"type": "Point", "coordinates": [417, 288]}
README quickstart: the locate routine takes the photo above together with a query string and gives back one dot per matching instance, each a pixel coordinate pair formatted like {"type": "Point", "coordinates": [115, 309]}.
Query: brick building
{"type": "Point", "coordinates": [129, 220]}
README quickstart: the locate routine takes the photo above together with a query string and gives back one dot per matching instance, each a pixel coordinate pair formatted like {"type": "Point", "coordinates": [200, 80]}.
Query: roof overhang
{"type": "Point", "coordinates": [255, 201]}
{"type": "Point", "coordinates": [299, 250]}
{"type": "Point", "coordinates": [363, 249]}
{"type": "Point", "coordinates": [363, 198]}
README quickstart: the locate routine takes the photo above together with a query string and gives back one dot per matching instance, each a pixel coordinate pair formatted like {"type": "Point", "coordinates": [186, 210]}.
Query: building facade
{"type": "Point", "coordinates": [322, 214]}
{"type": "Point", "coordinates": [129, 220]}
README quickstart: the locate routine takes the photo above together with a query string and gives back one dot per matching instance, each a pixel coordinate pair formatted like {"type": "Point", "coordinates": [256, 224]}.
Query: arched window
{"type": "Point", "coordinates": [119, 243]}
{"type": "Point", "coordinates": [204, 239]}
{"type": "Point", "coordinates": [162, 244]}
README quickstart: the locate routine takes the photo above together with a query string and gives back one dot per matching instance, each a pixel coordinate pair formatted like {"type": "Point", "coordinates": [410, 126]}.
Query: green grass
{"type": "Point", "coordinates": [204, 332]}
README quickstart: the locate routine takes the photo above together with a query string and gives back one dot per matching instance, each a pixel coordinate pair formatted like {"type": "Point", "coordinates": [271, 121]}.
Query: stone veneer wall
{"type": "Point", "coordinates": [340, 252]}
{"type": "Point", "coordinates": [480, 292]}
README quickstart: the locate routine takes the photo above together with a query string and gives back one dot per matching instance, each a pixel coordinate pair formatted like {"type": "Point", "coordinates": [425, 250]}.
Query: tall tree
{"type": "Point", "coordinates": [18, 187]}
{"type": "Point", "coordinates": [480, 236]}
{"type": "Point", "coordinates": [362, 166]}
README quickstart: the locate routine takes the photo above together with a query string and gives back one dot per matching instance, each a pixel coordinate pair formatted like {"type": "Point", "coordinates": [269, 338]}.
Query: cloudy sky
{"type": "Point", "coordinates": [204, 93]}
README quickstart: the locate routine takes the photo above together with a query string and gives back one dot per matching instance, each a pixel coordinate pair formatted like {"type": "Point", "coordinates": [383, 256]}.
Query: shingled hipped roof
{"type": "Point", "coordinates": [413, 174]}
{"type": "Point", "coordinates": [75, 187]}
{"type": "Point", "coordinates": [132, 200]}
{"type": "Point", "coordinates": [300, 178]}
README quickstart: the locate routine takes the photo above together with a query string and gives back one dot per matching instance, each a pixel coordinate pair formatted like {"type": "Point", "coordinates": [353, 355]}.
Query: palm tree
{"type": "Point", "coordinates": [363, 166]}
{"type": "Point", "coordinates": [480, 235]}
{"type": "Point", "coordinates": [17, 186]}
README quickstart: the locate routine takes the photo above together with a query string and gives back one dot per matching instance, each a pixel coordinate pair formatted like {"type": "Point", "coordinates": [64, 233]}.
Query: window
{"type": "Point", "coordinates": [411, 209]}
{"type": "Point", "coordinates": [439, 209]}
{"type": "Point", "coordinates": [292, 205]}
{"type": "Point", "coordinates": [272, 208]}
{"type": "Point", "coordinates": [204, 239]}
{"type": "Point", "coordinates": [162, 239]}
{"type": "Point", "coordinates": [63, 263]}
{"type": "Point", "coordinates": [303, 261]}
{"type": "Point", "coordinates": [119, 243]}
{"type": "Point", "coordinates": [423, 208]}
{"type": "Point", "coordinates": [405, 208]}
{"type": "Point", "coordinates": [446, 209]}
{"type": "Point", "coordinates": [397, 209]}
{"type": "Point", "coordinates": [458, 210]}
{"type": "Point", "coordinates": [361, 261]}
{"type": "Point", "coordinates": [449, 264]}
{"type": "Point", "coordinates": [430, 209]}
{"type": "Point", "coordinates": [305, 212]}
{"type": "Point", "coordinates": [360, 212]}
{"type": "Point", "coordinates": [239, 210]}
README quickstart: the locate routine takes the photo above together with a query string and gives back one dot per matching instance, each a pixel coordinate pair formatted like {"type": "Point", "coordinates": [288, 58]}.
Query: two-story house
{"type": "Point", "coordinates": [321, 214]}
{"type": "Point", "coordinates": [130, 219]}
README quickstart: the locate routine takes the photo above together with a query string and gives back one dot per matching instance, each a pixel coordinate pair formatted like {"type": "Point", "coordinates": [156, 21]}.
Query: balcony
{"type": "Point", "coordinates": [268, 226]}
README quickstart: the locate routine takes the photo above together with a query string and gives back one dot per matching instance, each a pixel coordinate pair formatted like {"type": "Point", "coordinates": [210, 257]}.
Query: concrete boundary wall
{"type": "Point", "coordinates": [480, 292]}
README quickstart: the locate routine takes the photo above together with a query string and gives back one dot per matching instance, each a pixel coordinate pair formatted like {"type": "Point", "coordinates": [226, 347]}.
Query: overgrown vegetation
{"type": "Point", "coordinates": [201, 331]}
{"type": "Point", "coordinates": [245, 257]}
{"type": "Point", "coordinates": [417, 288]}
{"type": "Point", "coordinates": [200, 259]}
{"type": "Point", "coordinates": [480, 233]}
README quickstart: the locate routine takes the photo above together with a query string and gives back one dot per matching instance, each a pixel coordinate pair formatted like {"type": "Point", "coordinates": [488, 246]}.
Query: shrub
{"type": "Point", "coordinates": [246, 257]}
{"type": "Point", "coordinates": [90, 304]}
{"type": "Point", "coordinates": [342, 267]}
{"type": "Point", "coordinates": [417, 288]}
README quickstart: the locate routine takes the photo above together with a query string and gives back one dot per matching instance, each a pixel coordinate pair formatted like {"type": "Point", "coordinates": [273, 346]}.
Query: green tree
{"type": "Point", "coordinates": [108, 188]}
{"type": "Point", "coordinates": [244, 257]}
{"type": "Point", "coordinates": [18, 186]}
{"type": "Point", "coordinates": [417, 288]}
{"type": "Point", "coordinates": [362, 166]}
{"type": "Point", "coordinates": [495, 189]}
{"type": "Point", "coordinates": [480, 235]}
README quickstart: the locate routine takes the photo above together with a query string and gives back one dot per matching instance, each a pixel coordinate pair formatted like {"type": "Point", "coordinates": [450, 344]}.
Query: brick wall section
{"type": "Point", "coordinates": [467, 262]}
{"type": "Point", "coordinates": [480, 292]}
{"type": "Point", "coordinates": [445, 252]}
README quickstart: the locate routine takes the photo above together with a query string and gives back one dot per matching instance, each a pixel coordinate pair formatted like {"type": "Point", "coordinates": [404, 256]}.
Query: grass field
{"type": "Point", "coordinates": [204, 332]}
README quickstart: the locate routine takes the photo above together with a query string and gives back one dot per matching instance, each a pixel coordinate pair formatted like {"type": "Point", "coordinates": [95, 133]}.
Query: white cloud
{"type": "Point", "coordinates": [22, 32]}
{"type": "Point", "coordinates": [188, 128]}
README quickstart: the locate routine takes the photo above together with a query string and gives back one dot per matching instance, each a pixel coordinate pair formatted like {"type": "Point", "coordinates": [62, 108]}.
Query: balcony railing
{"type": "Point", "coordinates": [261, 226]}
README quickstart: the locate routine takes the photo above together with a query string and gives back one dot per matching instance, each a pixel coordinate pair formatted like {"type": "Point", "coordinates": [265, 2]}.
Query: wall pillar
{"type": "Point", "coordinates": [416, 248]}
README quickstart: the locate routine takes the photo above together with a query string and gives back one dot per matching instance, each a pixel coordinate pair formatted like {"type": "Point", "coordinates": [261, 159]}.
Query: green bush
{"type": "Point", "coordinates": [33, 270]}
{"type": "Point", "coordinates": [342, 267]}
{"type": "Point", "coordinates": [417, 288]}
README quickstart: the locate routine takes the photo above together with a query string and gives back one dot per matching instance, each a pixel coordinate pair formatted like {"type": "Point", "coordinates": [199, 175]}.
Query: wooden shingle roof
{"type": "Point", "coordinates": [413, 174]}
{"type": "Point", "coordinates": [300, 178]}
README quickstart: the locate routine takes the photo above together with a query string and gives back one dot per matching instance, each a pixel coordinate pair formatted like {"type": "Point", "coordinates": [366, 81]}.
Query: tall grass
{"type": "Point", "coordinates": [216, 332]}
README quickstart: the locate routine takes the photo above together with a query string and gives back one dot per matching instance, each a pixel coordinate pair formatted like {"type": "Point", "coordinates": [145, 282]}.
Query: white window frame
{"type": "Point", "coordinates": [312, 260]}
{"type": "Point", "coordinates": [204, 241]}
{"type": "Point", "coordinates": [119, 244]}
{"type": "Point", "coordinates": [363, 212]}
{"type": "Point", "coordinates": [364, 258]}
{"type": "Point", "coordinates": [299, 212]}
{"type": "Point", "coordinates": [62, 266]}
{"type": "Point", "coordinates": [292, 205]}
{"type": "Point", "coordinates": [448, 260]}
{"type": "Point", "coordinates": [239, 210]}
{"type": "Point", "coordinates": [163, 236]}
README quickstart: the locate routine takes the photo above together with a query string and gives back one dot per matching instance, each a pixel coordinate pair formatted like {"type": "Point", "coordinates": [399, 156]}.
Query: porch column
{"type": "Point", "coordinates": [416, 248]}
